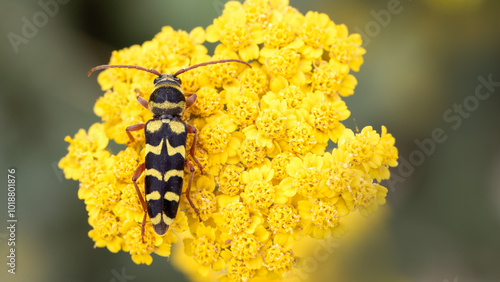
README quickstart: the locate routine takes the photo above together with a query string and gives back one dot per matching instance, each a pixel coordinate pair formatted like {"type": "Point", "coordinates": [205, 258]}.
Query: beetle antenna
{"type": "Point", "coordinates": [209, 63]}
{"type": "Point", "coordinates": [101, 67]}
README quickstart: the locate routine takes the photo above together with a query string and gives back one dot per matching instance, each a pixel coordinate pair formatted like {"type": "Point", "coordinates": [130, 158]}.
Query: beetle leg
{"type": "Point", "coordinates": [141, 100]}
{"type": "Point", "coordinates": [143, 226]}
{"type": "Point", "coordinates": [188, 190]}
{"type": "Point", "coordinates": [134, 127]}
{"type": "Point", "coordinates": [191, 99]}
{"type": "Point", "coordinates": [136, 176]}
{"type": "Point", "coordinates": [192, 129]}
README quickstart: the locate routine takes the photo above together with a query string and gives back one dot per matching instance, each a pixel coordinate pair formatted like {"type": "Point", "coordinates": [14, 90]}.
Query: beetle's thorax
{"type": "Point", "coordinates": [167, 97]}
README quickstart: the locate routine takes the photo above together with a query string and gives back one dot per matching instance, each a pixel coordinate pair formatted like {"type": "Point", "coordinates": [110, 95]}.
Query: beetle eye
{"type": "Point", "coordinates": [178, 80]}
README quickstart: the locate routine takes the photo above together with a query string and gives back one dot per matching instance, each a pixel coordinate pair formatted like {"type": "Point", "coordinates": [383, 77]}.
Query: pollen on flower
{"type": "Point", "coordinates": [254, 79]}
{"type": "Point", "coordinates": [282, 92]}
{"type": "Point", "coordinates": [108, 106]}
{"type": "Point", "coordinates": [278, 259]}
{"type": "Point", "coordinates": [315, 32]}
{"type": "Point", "coordinates": [369, 196]}
{"type": "Point", "coordinates": [389, 154]}
{"type": "Point", "coordinates": [257, 11]}
{"type": "Point", "coordinates": [324, 215]}
{"type": "Point", "coordinates": [307, 182]}
{"type": "Point", "coordinates": [250, 154]}
{"type": "Point", "coordinates": [111, 78]}
{"type": "Point", "coordinates": [207, 103]}
{"type": "Point", "coordinates": [362, 148]}
{"type": "Point", "coordinates": [133, 240]}
{"type": "Point", "coordinates": [236, 217]}
{"type": "Point", "coordinates": [292, 95]}
{"type": "Point", "coordinates": [84, 149]}
{"type": "Point", "coordinates": [328, 115]}
{"type": "Point", "coordinates": [239, 271]}
{"type": "Point", "coordinates": [104, 196]}
{"type": "Point", "coordinates": [325, 115]}
{"type": "Point", "coordinates": [201, 155]}
{"type": "Point", "coordinates": [279, 163]}
{"type": "Point", "coordinates": [214, 138]}
{"type": "Point", "coordinates": [92, 173]}
{"type": "Point", "coordinates": [125, 163]}
{"type": "Point", "coordinates": [230, 182]}
{"type": "Point", "coordinates": [301, 138]}
{"type": "Point", "coordinates": [245, 246]}
{"type": "Point", "coordinates": [346, 49]}
{"type": "Point", "coordinates": [221, 74]}
{"type": "Point", "coordinates": [235, 36]}
{"type": "Point", "coordinates": [271, 123]}
{"type": "Point", "coordinates": [306, 177]}
{"type": "Point", "coordinates": [205, 202]}
{"type": "Point", "coordinates": [333, 79]}
{"type": "Point", "coordinates": [190, 81]}
{"type": "Point", "coordinates": [278, 35]}
{"type": "Point", "coordinates": [205, 250]}
{"type": "Point", "coordinates": [106, 227]}
{"type": "Point", "coordinates": [342, 177]}
{"type": "Point", "coordinates": [130, 201]}
{"type": "Point", "coordinates": [179, 43]}
{"type": "Point", "coordinates": [259, 194]}
{"type": "Point", "coordinates": [244, 110]}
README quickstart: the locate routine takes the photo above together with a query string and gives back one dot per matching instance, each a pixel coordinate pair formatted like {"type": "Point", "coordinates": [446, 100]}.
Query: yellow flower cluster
{"type": "Point", "coordinates": [263, 132]}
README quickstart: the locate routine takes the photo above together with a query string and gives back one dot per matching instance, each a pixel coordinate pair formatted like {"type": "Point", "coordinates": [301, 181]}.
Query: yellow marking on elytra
{"type": "Point", "coordinates": [166, 105]}
{"type": "Point", "coordinates": [177, 127]}
{"type": "Point", "coordinates": [157, 219]}
{"type": "Point", "coordinates": [167, 220]}
{"type": "Point", "coordinates": [171, 173]}
{"type": "Point", "coordinates": [155, 149]}
{"type": "Point", "coordinates": [155, 195]}
{"type": "Point", "coordinates": [154, 172]}
{"type": "Point", "coordinates": [153, 126]}
{"type": "Point", "coordinates": [181, 149]}
{"type": "Point", "coordinates": [171, 196]}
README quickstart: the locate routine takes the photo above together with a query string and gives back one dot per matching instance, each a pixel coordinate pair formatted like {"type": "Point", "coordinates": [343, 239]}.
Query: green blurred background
{"type": "Point", "coordinates": [442, 221]}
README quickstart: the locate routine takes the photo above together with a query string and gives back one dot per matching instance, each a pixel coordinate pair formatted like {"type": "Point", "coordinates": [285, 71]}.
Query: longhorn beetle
{"type": "Point", "coordinates": [166, 137]}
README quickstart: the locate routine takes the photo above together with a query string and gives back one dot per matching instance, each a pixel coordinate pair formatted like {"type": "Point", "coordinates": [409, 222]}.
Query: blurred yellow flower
{"type": "Point", "coordinates": [278, 260]}
{"type": "Point", "coordinates": [333, 79]}
{"type": "Point", "coordinates": [317, 32]}
{"type": "Point", "coordinates": [268, 181]}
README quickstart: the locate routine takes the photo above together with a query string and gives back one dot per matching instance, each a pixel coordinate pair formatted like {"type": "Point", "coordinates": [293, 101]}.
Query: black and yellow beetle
{"type": "Point", "coordinates": [166, 137]}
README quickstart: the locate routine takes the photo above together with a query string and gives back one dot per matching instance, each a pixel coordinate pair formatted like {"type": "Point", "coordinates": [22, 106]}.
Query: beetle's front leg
{"type": "Point", "coordinates": [191, 99]}
{"type": "Point", "coordinates": [141, 100]}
